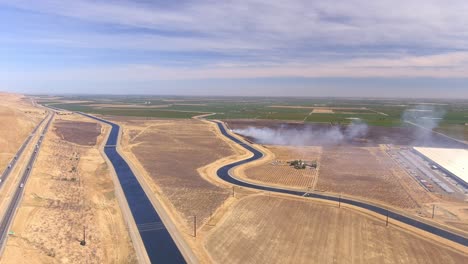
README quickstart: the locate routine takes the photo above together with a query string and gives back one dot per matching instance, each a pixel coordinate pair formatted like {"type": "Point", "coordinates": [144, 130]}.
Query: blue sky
{"type": "Point", "coordinates": [256, 47]}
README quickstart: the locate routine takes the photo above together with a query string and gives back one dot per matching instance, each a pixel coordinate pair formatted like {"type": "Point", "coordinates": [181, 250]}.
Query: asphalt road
{"type": "Point", "coordinates": [159, 244]}
{"type": "Point", "coordinates": [9, 168]}
{"type": "Point", "coordinates": [224, 174]}
{"type": "Point", "coordinates": [16, 199]}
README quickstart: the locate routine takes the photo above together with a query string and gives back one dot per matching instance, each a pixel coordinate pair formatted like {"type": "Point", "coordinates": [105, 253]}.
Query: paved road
{"type": "Point", "coordinates": [158, 242]}
{"type": "Point", "coordinates": [224, 174]}
{"type": "Point", "coordinates": [10, 212]}
{"type": "Point", "coordinates": [18, 154]}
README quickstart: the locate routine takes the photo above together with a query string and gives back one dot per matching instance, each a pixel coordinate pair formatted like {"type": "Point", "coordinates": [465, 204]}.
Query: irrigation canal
{"type": "Point", "coordinates": [223, 173]}
{"type": "Point", "coordinates": [159, 244]}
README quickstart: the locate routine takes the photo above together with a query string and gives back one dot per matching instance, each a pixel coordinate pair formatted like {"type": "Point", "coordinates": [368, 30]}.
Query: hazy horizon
{"type": "Point", "coordinates": [236, 48]}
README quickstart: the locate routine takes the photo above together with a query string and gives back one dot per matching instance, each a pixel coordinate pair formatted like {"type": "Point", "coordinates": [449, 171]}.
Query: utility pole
{"type": "Point", "coordinates": [195, 226]}
{"type": "Point", "coordinates": [433, 210]}
{"type": "Point", "coordinates": [83, 242]}
{"type": "Point", "coordinates": [339, 201]}
{"type": "Point", "coordinates": [386, 222]}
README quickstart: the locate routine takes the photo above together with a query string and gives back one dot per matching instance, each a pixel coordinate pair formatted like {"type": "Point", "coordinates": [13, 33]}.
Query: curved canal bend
{"type": "Point", "coordinates": [223, 173]}
{"type": "Point", "coordinates": [159, 244]}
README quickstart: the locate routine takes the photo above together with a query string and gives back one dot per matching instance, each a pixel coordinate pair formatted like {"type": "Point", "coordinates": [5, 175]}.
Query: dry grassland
{"type": "Point", "coordinates": [276, 171]}
{"type": "Point", "coordinates": [70, 188]}
{"type": "Point", "coordinates": [262, 229]}
{"type": "Point", "coordinates": [170, 152]}
{"type": "Point", "coordinates": [368, 172]}
{"type": "Point", "coordinates": [17, 118]}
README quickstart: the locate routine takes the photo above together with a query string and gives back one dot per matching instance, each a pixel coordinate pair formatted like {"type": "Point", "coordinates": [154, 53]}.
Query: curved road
{"type": "Point", "coordinates": [224, 174]}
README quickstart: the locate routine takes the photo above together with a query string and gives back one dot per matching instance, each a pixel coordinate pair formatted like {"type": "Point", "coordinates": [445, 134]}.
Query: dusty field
{"type": "Point", "coordinates": [70, 188]}
{"type": "Point", "coordinates": [368, 172]}
{"type": "Point", "coordinates": [276, 171]}
{"type": "Point", "coordinates": [170, 152]}
{"type": "Point", "coordinates": [274, 230]}
{"type": "Point", "coordinates": [17, 118]}
{"type": "Point", "coordinates": [81, 133]}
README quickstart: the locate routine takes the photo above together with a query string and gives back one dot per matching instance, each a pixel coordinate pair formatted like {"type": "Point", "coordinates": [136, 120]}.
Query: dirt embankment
{"type": "Point", "coordinates": [17, 118]}
{"type": "Point", "coordinates": [70, 190]}
{"type": "Point", "coordinates": [263, 229]}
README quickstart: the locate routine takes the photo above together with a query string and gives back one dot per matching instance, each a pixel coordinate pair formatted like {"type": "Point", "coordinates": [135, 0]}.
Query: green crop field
{"type": "Point", "coordinates": [375, 112]}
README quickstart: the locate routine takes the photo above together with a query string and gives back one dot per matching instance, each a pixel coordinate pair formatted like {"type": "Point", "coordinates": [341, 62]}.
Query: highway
{"type": "Point", "coordinates": [160, 246]}
{"type": "Point", "coordinates": [224, 174]}
{"type": "Point", "coordinates": [18, 154]}
{"type": "Point", "coordinates": [16, 198]}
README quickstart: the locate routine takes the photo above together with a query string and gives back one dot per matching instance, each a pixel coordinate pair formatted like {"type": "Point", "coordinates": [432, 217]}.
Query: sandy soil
{"type": "Point", "coordinates": [70, 189]}
{"type": "Point", "coordinates": [276, 171]}
{"type": "Point", "coordinates": [18, 118]}
{"type": "Point", "coordinates": [370, 173]}
{"type": "Point", "coordinates": [298, 231]}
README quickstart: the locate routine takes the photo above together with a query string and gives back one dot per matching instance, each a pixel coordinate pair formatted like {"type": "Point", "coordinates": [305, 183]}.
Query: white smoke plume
{"type": "Point", "coordinates": [425, 118]}
{"type": "Point", "coordinates": [286, 135]}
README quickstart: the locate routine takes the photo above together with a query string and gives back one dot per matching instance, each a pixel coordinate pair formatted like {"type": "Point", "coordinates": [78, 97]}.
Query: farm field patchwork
{"type": "Point", "coordinates": [383, 112]}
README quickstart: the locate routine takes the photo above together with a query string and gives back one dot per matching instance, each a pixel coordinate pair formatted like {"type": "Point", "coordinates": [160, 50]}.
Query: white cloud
{"type": "Point", "coordinates": [282, 38]}
{"type": "Point", "coordinates": [452, 65]}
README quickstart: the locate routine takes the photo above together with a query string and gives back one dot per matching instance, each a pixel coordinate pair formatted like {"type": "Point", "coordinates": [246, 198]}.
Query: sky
{"type": "Point", "coordinates": [410, 48]}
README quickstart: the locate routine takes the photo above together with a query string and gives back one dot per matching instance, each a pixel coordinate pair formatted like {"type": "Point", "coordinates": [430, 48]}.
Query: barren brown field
{"type": "Point", "coordinates": [18, 119]}
{"type": "Point", "coordinates": [262, 229]}
{"type": "Point", "coordinates": [70, 189]}
{"type": "Point", "coordinates": [276, 170]}
{"type": "Point", "coordinates": [370, 173]}
{"type": "Point", "coordinates": [82, 133]}
{"type": "Point", "coordinates": [322, 111]}
{"type": "Point", "coordinates": [171, 151]}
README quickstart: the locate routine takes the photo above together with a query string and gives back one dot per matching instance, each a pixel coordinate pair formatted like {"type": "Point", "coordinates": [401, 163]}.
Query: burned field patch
{"type": "Point", "coordinates": [81, 133]}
